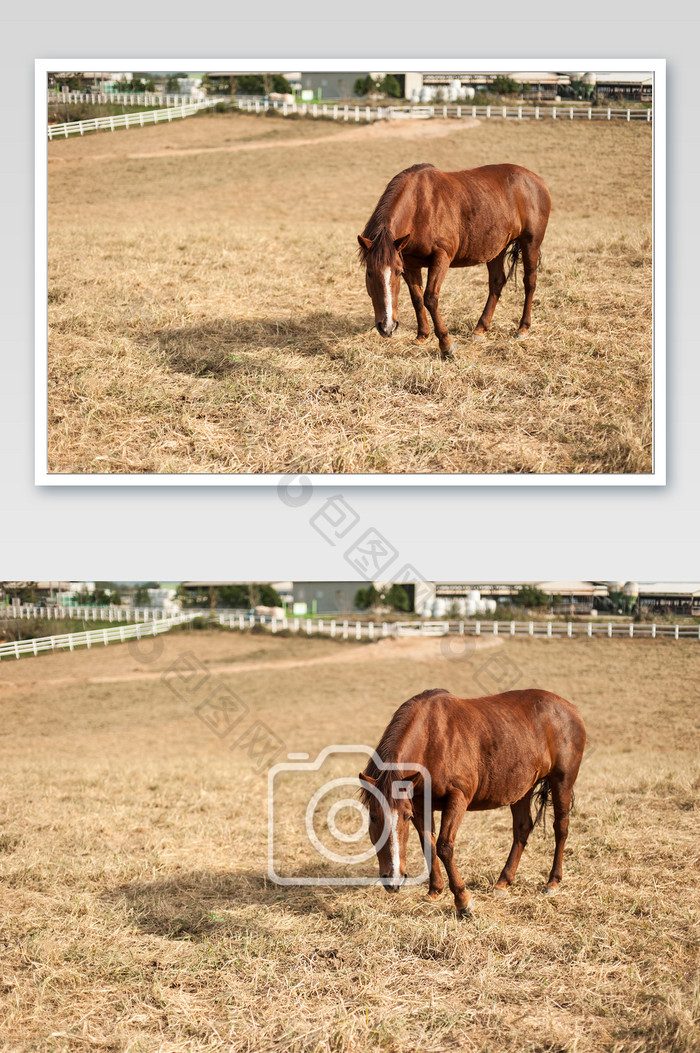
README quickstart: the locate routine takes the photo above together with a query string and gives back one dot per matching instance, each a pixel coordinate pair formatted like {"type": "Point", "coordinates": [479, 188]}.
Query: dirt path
{"type": "Point", "coordinates": [418, 649]}
{"type": "Point", "coordinates": [397, 129]}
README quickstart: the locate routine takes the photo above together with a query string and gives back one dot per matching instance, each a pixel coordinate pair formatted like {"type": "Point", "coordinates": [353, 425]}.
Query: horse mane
{"type": "Point", "coordinates": [389, 744]}
{"type": "Point", "coordinates": [377, 226]}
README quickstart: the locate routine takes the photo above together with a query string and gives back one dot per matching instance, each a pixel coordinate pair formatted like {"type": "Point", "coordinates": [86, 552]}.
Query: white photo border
{"type": "Point", "coordinates": [657, 67]}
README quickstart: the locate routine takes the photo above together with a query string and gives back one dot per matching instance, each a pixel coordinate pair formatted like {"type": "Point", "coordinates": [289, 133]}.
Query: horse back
{"type": "Point", "coordinates": [496, 747]}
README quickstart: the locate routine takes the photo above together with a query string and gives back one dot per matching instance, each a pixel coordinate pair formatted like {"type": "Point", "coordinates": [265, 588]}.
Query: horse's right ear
{"type": "Point", "coordinates": [367, 778]}
{"type": "Point", "coordinates": [364, 243]}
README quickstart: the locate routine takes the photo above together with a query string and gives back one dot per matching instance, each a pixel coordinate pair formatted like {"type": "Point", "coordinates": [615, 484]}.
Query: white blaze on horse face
{"type": "Point", "coordinates": [388, 312]}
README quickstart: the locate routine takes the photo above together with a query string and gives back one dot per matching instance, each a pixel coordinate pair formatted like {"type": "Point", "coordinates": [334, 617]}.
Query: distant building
{"type": "Point", "coordinates": [670, 597]}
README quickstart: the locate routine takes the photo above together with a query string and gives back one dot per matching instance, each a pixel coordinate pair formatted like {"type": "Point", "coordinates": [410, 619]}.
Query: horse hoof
{"type": "Point", "coordinates": [521, 336]}
{"type": "Point", "coordinates": [467, 911]}
{"type": "Point", "coordinates": [499, 893]}
{"type": "Point", "coordinates": [477, 336]}
{"type": "Point", "coordinates": [550, 891]}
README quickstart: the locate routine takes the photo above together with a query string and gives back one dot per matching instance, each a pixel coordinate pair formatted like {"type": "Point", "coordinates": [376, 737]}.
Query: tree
{"type": "Point", "coordinates": [366, 598]}
{"type": "Point", "coordinates": [141, 597]}
{"type": "Point", "coordinates": [390, 86]}
{"type": "Point", "coordinates": [364, 86]}
{"type": "Point", "coordinates": [172, 85]}
{"type": "Point", "coordinates": [397, 597]}
{"type": "Point", "coordinates": [528, 596]}
{"type": "Point", "coordinates": [502, 85]}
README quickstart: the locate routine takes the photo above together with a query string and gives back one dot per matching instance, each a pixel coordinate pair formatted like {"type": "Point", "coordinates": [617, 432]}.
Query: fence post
{"type": "Point", "coordinates": [273, 625]}
{"type": "Point", "coordinates": [571, 113]}
{"type": "Point", "coordinates": [495, 628]}
{"type": "Point", "coordinates": [531, 628]}
{"type": "Point", "coordinates": [473, 111]}
{"type": "Point", "coordinates": [590, 113]}
{"type": "Point", "coordinates": [653, 631]}
{"type": "Point", "coordinates": [568, 629]}
{"type": "Point", "coordinates": [676, 627]}
{"type": "Point", "coordinates": [358, 631]}
{"type": "Point", "coordinates": [609, 628]}
{"type": "Point", "coordinates": [537, 113]}
{"type": "Point", "coordinates": [308, 626]}
{"type": "Point", "coordinates": [628, 115]}
{"type": "Point", "coordinates": [549, 628]}
{"type": "Point", "coordinates": [554, 113]}
{"type": "Point", "coordinates": [608, 113]}
{"type": "Point", "coordinates": [520, 113]}
{"type": "Point", "coordinates": [332, 627]}
{"type": "Point", "coordinates": [16, 649]}
{"type": "Point", "coordinates": [345, 630]}
{"type": "Point", "coordinates": [488, 111]}
{"type": "Point", "coordinates": [477, 630]}
{"type": "Point", "coordinates": [512, 628]}
{"type": "Point", "coordinates": [590, 629]}
{"type": "Point", "coordinates": [632, 630]}
{"type": "Point", "coordinates": [370, 630]}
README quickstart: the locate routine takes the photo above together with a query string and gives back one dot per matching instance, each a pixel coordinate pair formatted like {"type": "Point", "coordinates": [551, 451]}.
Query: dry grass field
{"type": "Point", "coordinates": [136, 914]}
{"type": "Point", "coordinates": [207, 312]}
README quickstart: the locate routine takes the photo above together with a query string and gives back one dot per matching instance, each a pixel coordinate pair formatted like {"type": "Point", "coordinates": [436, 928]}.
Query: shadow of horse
{"type": "Point", "coordinates": [192, 904]}
{"type": "Point", "coordinates": [212, 349]}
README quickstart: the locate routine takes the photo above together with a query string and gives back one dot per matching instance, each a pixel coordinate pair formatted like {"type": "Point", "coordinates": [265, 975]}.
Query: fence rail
{"type": "Point", "coordinates": [128, 120]}
{"type": "Point", "coordinates": [122, 98]}
{"type": "Point", "coordinates": [341, 112]}
{"type": "Point", "coordinates": [365, 630]}
{"type": "Point", "coordinates": [94, 614]}
{"type": "Point", "coordinates": [69, 641]}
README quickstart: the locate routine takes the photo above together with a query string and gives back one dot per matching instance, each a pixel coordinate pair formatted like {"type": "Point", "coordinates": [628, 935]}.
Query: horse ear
{"type": "Point", "coordinates": [400, 243]}
{"type": "Point", "coordinates": [367, 778]}
{"type": "Point", "coordinates": [364, 243]}
{"type": "Point", "coordinates": [416, 778]}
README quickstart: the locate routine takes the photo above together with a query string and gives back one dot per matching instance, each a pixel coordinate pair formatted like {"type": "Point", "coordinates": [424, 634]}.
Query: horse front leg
{"type": "Point", "coordinates": [436, 273]}
{"type": "Point", "coordinates": [437, 885]}
{"type": "Point", "coordinates": [414, 281]}
{"type": "Point", "coordinates": [452, 816]}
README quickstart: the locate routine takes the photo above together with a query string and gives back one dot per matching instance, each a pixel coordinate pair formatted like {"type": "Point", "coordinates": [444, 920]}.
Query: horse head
{"type": "Point", "coordinates": [383, 270]}
{"type": "Point", "coordinates": [389, 800]}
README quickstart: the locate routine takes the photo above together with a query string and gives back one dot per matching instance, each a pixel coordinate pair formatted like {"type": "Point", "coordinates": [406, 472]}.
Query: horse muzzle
{"type": "Point", "coordinates": [385, 330]}
{"type": "Point", "coordinates": [390, 883]}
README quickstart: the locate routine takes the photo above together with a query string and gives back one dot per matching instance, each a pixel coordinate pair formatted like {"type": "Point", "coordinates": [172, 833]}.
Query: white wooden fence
{"type": "Point", "coordinates": [128, 120]}
{"type": "Point", "coordinates": [86, 614]}
{"type": "Point", "coordinates": [118, 634]}
{"type": "Point", "coordinates": [364, 630]}
{"type": "Point", "coordinates": [148, 98]}
{"type": "Point", "coordinates": [341, 112]}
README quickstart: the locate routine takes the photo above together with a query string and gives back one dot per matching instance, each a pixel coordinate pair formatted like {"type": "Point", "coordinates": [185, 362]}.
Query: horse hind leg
{"type": "Point", "coordinates": [522, 826]}
{"type": "Point", "coordinates": [562, 795]}
{"type": "Point", "coordinates": [497, 279]}
{"type": "Point", "coordinates": [530, 250]}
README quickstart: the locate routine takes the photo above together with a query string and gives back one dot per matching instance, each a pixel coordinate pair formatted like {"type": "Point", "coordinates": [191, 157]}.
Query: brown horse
{"type": "Point", "coordinates": [480, 753]}
{"type": "Point", "coordinates": [428, 218]}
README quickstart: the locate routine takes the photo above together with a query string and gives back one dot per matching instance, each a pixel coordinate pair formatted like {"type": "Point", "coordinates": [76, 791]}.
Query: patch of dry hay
{"type": "Point", "coordinates": [207, 313]}
{"type": "Point", "coordinates": [136, 914]}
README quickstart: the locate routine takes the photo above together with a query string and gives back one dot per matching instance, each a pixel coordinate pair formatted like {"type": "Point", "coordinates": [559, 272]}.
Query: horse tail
{"type": "Point", "coordinates": [542, 796]}
{"type": "Point", "coordinates": [513, 257]}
